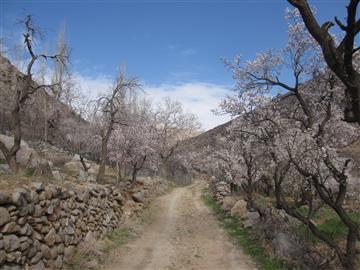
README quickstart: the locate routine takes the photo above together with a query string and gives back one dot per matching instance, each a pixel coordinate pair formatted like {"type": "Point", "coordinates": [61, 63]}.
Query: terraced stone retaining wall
{"type": "Point", "coordinates": [40, 226]}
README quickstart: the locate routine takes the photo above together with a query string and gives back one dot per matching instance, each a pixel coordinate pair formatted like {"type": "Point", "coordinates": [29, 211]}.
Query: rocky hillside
{"type": "Point", "coordinates": [204, 139]}
{"type": "Point", "coordinates": [44, 116]}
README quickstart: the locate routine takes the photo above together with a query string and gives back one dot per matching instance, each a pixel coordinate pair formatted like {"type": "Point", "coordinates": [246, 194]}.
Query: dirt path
{"type": "Point", "coordinates": [183, 235]}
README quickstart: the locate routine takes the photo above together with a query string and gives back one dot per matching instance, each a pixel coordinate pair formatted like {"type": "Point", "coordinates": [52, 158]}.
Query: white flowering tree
{"type": "Point", "coordinates": [112, 112]}
{"type": "Point", "coordinates": [133, 146]}
{"type": "Point", "coordinates": [240, 160]}
{"type": "Point", "coordinates": [340, 56]}
{"type": "Point", "coordinates": [173, 125]}
{"type": "Point", "coordinates": [300, 130]}
{"type": "Point", "coordinates": [80, 135]}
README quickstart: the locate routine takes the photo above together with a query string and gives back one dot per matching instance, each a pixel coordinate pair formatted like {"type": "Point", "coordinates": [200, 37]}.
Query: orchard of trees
{"type": "Point", "coordinates": [121, 128]}
{"type": "Point", "coordinates": [287, 138]}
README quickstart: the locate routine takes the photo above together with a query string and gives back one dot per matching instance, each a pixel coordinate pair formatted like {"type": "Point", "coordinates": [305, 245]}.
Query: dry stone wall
{"type": "Point", "coordinates": [219, 188]}
{"type": "Point", "coordinates": [40, 226]}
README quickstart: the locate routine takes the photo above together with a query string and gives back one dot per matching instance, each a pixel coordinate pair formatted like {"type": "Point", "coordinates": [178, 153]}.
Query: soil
{"type": "Point", "coordinates": [182, 234]}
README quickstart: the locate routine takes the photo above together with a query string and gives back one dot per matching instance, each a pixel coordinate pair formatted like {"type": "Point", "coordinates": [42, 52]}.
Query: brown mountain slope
{"type": "Point", "coordinates": [42, 117]}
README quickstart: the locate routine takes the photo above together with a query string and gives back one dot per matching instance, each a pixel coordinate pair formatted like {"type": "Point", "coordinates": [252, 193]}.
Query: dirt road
{"type": "Point", "coordinates": [183, 234]}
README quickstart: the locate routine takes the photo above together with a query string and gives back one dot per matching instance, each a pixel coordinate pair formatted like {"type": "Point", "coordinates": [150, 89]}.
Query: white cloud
{"type": "Point", "coordinates": [198, 98]}
{"type": "Point", "coordinates": [92, 87]}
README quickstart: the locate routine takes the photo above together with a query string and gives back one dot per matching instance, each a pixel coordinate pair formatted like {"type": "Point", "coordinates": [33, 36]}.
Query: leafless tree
{"type": "Point", "coordinates": [63, 89]}
{"type": "Point", "coordinates": [25, 88]}
{"type": "Point", "coordinates": [112, 107]}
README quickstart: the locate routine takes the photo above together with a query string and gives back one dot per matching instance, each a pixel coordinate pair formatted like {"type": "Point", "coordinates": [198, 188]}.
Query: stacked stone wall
{"type": "Point", "coordinates": [219, 188]}
{"type": "Point", "coordinates": [41, 226]}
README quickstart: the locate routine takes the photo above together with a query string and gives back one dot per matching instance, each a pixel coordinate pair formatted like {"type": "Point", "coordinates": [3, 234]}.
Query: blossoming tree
{"type": "Point", "coordinates": [300, 130]}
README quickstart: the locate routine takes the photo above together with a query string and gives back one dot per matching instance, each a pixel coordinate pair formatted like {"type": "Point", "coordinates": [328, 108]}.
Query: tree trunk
{"type": "Point", "coordinates": [352, 238]}
{"type": "Point", "coordinates": [104, 151]}
{"type": "Point", "coordinates": [120, 175]}
{"type": "Point", "coordinates": [101, 171]}
{"type": "Point", "coordinates": [11, 157]}
{"type": "Point", "coordinates": [339, 59]}
{"type": "Point", "coordinates": [348, 257]}
{"type": "Point", "coordinates": [86, 168]}
{"type": "Point", "coordinates": [13, 164]}
{"type": "Point", "coordinates": [352, 104]}
{"type": "Point", "coordinates": [134, 174]}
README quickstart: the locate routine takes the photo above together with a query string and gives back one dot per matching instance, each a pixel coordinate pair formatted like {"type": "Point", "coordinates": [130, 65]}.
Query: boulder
{"type": "Point", "coordinates": [228, 202]}
{"type": "Point", "coordinates": [69, 252]}
{"type": "Point", "coordinates": [283, 245]}
{"type": "Point", "coordinates": [18, 199]}
{"type": "Point", "coordinates": [89, 237]}
{"type": "Point", "coordinates": [57, 263]}
{"type": "Point", "coordinates": [130, 207]}
{"type": "Point", "coordinates": [38, 186]}
{"type": "Point", "coordinates": [4, 198]}
{"type": "Point", "coordinates": [50, 237]}
{"type": "Point", "coordinates": [43, 168]}
{"type": "Point", "coordinates": [36, 258]}
{"type": "Point", "coordinates": [2, 257]}
{"type": "Point", "coordinates": [26, 156]}
{"type": "Point", "coordinates": [13, 257]}
{"type": "Point", "coordinates": [76, 157]}
{"type": "Point", "coordinates": [11, 243]}
{"type": "Point", "coordinates": [39, 266]}
{"type": "Point", "coordinates": [11, 227]}
{"type": "Point", "coordinates": [251, 219]}
{"type": "Point", "coordinates": [5, 168]}
{"type": "Point", "coordinates": [4, 216]}
{"type": "Point", "coordinates": [239, 209]}
{"type": "Point", "coordinates": [11, 266]}
{"type": "Point", "coordinates": [25, 192]}
{"type": "Point", "coordinates": [74, 167]}
{"type": "Point", "coordinates": [56, 175]}
{"type": "Point", "coordinates": [45, 250]}
{"type": "Point", "coordinates": [140, 197]}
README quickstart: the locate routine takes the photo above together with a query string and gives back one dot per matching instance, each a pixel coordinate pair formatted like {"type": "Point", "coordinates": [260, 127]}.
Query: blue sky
{"type": "Point", "coordinates": [174, 47]}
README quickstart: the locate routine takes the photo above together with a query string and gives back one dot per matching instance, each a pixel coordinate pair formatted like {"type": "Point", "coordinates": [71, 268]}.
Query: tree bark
{"type": "Point", "coordinates": [339, 59]}
{"type": "Point", "coordinates": [86, 168]}
{"type": "Point", "coordinates": [134, 174]}
{"type": "Point", "coordinates": [104, 152]}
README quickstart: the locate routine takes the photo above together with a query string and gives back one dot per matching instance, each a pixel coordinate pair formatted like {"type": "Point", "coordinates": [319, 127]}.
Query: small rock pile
{"type": "Point", "coordinates": [220, 189]}
{"type": "Point", "coordinates": [41, 226]}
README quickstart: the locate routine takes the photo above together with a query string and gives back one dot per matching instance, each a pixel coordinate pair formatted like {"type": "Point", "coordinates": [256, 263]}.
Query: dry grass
{"type": "Point", "coordinates": [9, 182]}
{"type": "Point", "coordinates": [96, 252]}
{"type": "Point", "coordinates": [88, 255]}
